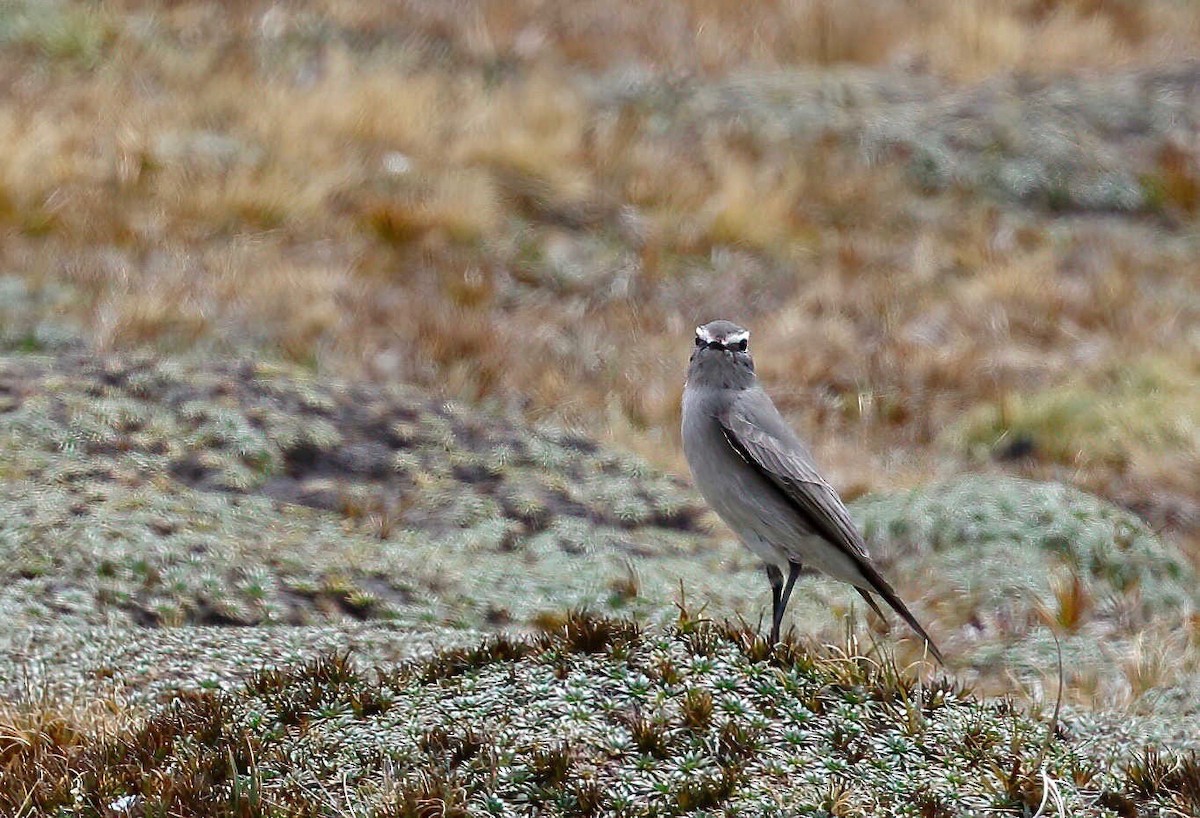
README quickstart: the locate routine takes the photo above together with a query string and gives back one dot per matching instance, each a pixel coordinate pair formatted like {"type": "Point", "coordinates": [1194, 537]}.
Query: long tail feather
{"type": "Point", "coordinates": [874, 606]}
{"type": "Point", "coordinates": [881, 587]}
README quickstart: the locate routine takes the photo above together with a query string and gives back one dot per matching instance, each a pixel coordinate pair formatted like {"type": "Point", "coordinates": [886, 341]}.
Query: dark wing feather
{"type": "Point", "coordinates": [763, 439]}
{"type": "Point", "coordinates": [874, 605]}
{"type": "Point", "coordinates": [784, 460]}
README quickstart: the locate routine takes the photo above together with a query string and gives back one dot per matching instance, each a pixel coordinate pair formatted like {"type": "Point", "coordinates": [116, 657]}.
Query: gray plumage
{"type": "Point", "coordinates": [761, 479]}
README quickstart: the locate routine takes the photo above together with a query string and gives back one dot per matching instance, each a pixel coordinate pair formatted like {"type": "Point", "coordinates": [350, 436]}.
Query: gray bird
{"type": "Point", "coordinates": [761, 480]}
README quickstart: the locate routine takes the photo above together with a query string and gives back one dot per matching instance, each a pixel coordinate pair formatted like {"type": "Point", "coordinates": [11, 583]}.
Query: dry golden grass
{"type": "Point", "coordinates": [966, 39]}
{"type": "Point", "coordinates": [41, 736]}
{"type": "Point", "coordinates": [422, 191]}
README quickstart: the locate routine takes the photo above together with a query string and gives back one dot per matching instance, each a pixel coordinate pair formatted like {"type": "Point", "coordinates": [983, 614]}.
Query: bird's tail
{"type": "Point", "coordinates": [880, 586]}
{"type": "Point", "coordinates": [874, 606]}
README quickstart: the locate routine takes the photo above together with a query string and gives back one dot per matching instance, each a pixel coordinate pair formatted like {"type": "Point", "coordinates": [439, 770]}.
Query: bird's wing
{"type": "Point", "coordinates": [759, 434]}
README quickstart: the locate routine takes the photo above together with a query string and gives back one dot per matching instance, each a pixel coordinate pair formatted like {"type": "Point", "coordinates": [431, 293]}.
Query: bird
{"type": "Point", "coordinates": [762, 481]}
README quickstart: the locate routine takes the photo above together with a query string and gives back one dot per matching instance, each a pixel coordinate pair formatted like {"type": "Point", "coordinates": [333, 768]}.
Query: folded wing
{"type": "Point", "coordinates": [756, 431]}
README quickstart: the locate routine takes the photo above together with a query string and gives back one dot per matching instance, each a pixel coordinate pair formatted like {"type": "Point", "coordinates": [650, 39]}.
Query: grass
{"type": "Point", "coordinates": [600, 730]}
{"type": "Point", "coordinates": [1135, 418]}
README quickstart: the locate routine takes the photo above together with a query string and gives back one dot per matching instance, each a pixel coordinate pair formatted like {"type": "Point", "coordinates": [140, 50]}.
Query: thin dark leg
{"type": "Point", "coordinates": [776, 578]}
{"type": "Point", "coordinates": [793, 572]}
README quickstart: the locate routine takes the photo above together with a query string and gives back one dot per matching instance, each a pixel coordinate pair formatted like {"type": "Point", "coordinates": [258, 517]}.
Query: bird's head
{"type": "Point", "coordinates": [722, 336]}
{"type": "Point", "coordinates": [721, 355]}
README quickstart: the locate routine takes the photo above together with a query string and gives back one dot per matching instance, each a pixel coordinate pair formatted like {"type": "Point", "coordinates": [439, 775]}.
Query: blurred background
{"type": "Point", "coordinates": [964, 233]}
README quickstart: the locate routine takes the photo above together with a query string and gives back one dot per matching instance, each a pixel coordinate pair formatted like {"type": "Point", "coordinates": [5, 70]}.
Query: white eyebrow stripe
{"type": "Point", "coordinates": [705, 335]}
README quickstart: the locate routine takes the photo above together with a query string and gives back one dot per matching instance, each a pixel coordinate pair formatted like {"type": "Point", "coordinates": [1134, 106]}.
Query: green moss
{"type": "Point", "coordinates": [157, 486]}
{"type": "Point", "coordinates": [74, 34]}
{"type": "Point", "coordinates": [1149, 406]}
{"type": "Point", "coordinates": [1002, 560]}
{"type": "Point", "coordinates": [1046, 524]}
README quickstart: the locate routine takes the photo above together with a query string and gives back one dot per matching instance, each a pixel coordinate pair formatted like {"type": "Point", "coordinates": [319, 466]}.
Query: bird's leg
{"type": "Point", "coordinates": [785, 596]}
{"type": "Point", "coordinates": [776, 578]}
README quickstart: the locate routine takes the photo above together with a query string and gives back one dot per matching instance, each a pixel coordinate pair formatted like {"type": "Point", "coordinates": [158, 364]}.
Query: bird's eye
{"type": "Point", "coordinates": [699, 341]}
{"type": "Point", "coordinates": [742, 344]}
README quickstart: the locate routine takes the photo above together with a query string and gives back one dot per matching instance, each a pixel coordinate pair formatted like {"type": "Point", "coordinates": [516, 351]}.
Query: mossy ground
{"type": "Point", "coordinates": [165, 493]}
{"type": "Point", "coordinates": [144, 492]}
{"type": "Point", "coordinates": [173, 527]}
{"type": "Point", "coordinates": [595, 717]}
{"type": "Point", "coordinates": [957, 252]}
